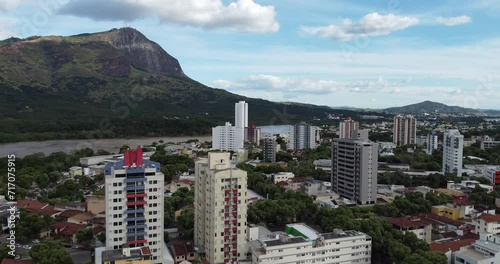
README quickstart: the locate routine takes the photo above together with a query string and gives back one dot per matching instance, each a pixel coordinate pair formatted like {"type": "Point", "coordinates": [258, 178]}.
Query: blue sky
{"type": "Point", "coordinates": [327, 52]}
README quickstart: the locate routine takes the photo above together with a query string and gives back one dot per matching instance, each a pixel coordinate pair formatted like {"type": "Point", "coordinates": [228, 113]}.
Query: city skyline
{"type": "Point", "coordinates": [411, 51]}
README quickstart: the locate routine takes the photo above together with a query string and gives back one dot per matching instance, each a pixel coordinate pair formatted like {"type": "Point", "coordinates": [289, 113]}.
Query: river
{"type": "Point", "coordinates": [21, 149]}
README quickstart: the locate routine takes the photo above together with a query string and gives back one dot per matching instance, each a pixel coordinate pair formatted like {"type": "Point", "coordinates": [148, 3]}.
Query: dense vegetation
{"type": "Point", "coordinates": [50, 252]}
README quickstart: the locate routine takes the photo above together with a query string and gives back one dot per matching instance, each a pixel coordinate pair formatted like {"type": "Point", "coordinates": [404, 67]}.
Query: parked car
{"type": "Point", "coordinates": [75, 246]}
{"type": "Point", "coordinates": [36, 241]}
{"type": "Point", "coordinates": [18, 245]}
{"type": "Point", "coordinates": [28, 247]}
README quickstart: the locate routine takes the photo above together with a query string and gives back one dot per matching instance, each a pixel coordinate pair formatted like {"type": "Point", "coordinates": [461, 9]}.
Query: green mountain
{"type": "Point", "coordinates": [115, 84]}
{"type": "Point", "coordinates": [430, 107]}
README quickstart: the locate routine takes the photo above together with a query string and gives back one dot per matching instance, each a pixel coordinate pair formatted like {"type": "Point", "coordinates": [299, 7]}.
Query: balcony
{"type": "Point", "coordinates": [136, 203]}
{"type": "Point", "coordinates": [134, 188]}
{"type": "Point", "coordinates": [138, 226]}
{"type": "Point", "coordinates": [134, 211]}
{"type": "Point", "coordinates": [136, 234]}
{"type": "Point", "coordinates": [139, 218]}
{"type": "Point", "coordinates": [136, 195]}
{"type": "Point", "coordinates": [226, 230]}
{"type": "Point", "coordinates": [227, 191]}
{"type": "Point", "coordinates": [142, 179]}
{"type": "Point", "coordinates": [135, 242]}
{"type": "Point", "coordinates": [235, 214]}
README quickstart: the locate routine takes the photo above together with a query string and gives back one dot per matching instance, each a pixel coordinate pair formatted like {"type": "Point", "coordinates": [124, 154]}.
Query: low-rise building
{"type": "Point", "coordinates": [316, 187]}
{"type": "Point", "coordinates": [300, 243]}
{"type": "Point", "coordinates": [487, 223]}
{"type": "Point", "coordinates": [486, 250]}
{"type": "Point", "coordinates": [323, 164]}
{"type": "Point", "coordinates": [81, 218]}
{"type": "Point", "coordinates": [414, 224]}
{"type": "Point", "coordinates": [281, 176]}
{"type": "Point", "coordinates": [75, 171]}
{"type": "Point", "coordinates": [183, 252]}
{"type": "Point", "coordinates": [493, 174]}
{"type": "Point", "coordinates": [176, 185]}
{"type": "Point", "coordinates": [66, 231]}
{"type": "Point", "coordinates": [96, 204]}
{"type": "Point", "coordinates": [449, 247]}
{"type": "Point", "coordinates": [489, 144]}
{"type": "Point", "coordinates": [446, 211]}
{"type": "Point", "coordinates": [136, 255]}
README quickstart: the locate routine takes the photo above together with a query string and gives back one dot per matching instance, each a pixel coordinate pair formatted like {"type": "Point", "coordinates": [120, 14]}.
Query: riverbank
{"type": "Point", "coordinates": [21, 149]}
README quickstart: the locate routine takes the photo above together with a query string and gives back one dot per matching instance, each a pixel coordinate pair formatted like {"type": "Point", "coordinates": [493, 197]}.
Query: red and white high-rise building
{"type": "Point", "coordinates": [134, 204]}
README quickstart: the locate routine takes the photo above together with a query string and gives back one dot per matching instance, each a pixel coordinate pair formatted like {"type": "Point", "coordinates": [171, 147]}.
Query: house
{"type": "Point", "coordinates": [75, 171]}
{"type": "Point", "coordinates": [96, 204]}
{"type": "Point", "coordinates": [281, 177]}
{"type": "Point", "coordinates": [176, 185]}
{"type": "Point", "coordinates": [295, 184]}
{"type": "Point", "coordinates": [487, 223]}
{"type": "Point", "coordinates": [183, 252]}
{"type": "Point", "coordinates": [414, 224]}
{"type": "Point", "coordinates": [446, 211]}
{"type": "Point", "coordinates": [49, 211]}
{"type": "Point", "coordinates": [443, 223]}
{"type": "Point", "coordinates": [81, 218]}
{"type": "Point", "coordinates": [66, 232]}
{"type": "Point", "coordinates": [31, 206]}
{"type": "Point", "coordinates": [449, 247]}
{"type": "Point", "coordinates": [65, 215]}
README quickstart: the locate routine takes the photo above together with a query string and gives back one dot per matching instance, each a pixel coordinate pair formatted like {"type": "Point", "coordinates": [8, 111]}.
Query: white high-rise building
{"type": "Point", "coordinates": [303, 136]}
{"type": "Point", "coordinates": [405, 130]}
{"type": "Point", "coordinates": [228, 138]}
{"type": "Point", "coordinates": [354, 168]}
{"type": "Point", "coordinates": [432, 142]}
{"type": "Point", "coordinates": [347, 127]}
{"type": "Point", "coordinates": [134, 204]}
{"type": "Point", "coordinates": [241, 114]}
{"type": "Point", "coordinates": [220, 225]}
{"type": "Point", "coordinates": [453, 148]}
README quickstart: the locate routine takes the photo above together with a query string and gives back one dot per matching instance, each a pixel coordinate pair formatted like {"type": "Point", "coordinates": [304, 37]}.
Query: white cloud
{"type": "Point", "coordinates": [453, 21]}
{"type": "Point", "coordinates": [239, 15]}
{"type": "Point", "coordinates": [371, 25]}
{"type": "Point", "coordinates": [9, 5]}
{"type": "Point", "coordinates": [273, 83]}
{"type": "Point", "coordinates": [5, 25]}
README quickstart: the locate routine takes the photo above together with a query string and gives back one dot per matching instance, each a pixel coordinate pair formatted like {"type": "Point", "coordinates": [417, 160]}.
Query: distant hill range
{"type": "Point", "coordinates": [116, 83]}
{"type": "Point", "coordinates": [434, 107]}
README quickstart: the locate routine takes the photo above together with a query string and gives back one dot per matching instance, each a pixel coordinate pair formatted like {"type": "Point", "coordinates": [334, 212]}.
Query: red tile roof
{"type": "Point", "coordinates": [31, 206]}
{"type": "Point", "coordinates": [179, 250]}
{"type": "Point", "coordinates": [189, 247]}
{"type": "Point", "coordinates": [282, 183]}
{"type": "Point", "coordinates": [441, 219]}
{"type": "Point", "coordinates": [69, 213]}
{"type": "Point", "coordinates": [68, 228]}
{"type": "Point", "coordinates": [453, 246]}
{"type": "Point", "coordinates": [98, 229]}
{"type": "Point", "coordinates": [82, 216]}
{"type": "Point", "coordinates": [145, 251]}
{"type": "Point", "coordinates": [409, 222]}
{"type": "Point", "coordinates": [190, 182]}
{"type": "Point", "coordinates": [462, 202]}
{"type": "Point", "coordinates": [489, 218]}
{"type": "Point", "coordinates": [16, 261]}
{"type": "Point", "coordinates": [297, 179]}
{"type": "Point", "coordinates": [48, 210]}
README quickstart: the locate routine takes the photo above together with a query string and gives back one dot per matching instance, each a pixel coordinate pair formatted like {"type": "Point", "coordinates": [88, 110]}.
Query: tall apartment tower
{"type": "Point", "coordinates": [303, 136]}
{"type": "Point", "coordinates": [347, 127]}
{"type": "Point", "coordinates": [354, 168]}
{"type": "Point", "coordinates": [134, 204]}
{"type": "Point", "coordinates": [405, 130]}
{"type": "Point", "coordinates": [269, 149]}
{"type": "Point", "coordinates": [453, 148]}
{"type": "Point", "coordinates": [432, 142]}
{"type": "Point", "coordinates": [220, 209]}
{"type": "Point", "coordinates": [241, 114]}
{"type": "Point", "coordinates": [228, 138]}
{"type": "Point", "coordinates": [254, 134]}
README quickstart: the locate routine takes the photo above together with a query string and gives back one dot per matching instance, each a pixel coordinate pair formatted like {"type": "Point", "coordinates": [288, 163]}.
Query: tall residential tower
{"type": "Point", "coordinates": [303, 136]}
{"type": "Point", "coordinates": [453, 148]}
{"type": "Point", "coordinates": [220, 209]}
{"type": "Point", "coordinates": [347, 128]}
{"type": "Point", "coordinates": [354, 168]}
{"type": "Point", "coordinates": [134, 204]}
{"type": "Point", "coordinates": [405, 130]}
{"type": "Point", "coordinates": [432, 142]}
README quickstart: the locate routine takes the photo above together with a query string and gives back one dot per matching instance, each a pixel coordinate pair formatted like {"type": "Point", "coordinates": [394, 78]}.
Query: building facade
{"type": "Point", "coordinates": [220, 209]}
{"type": "Point", "coordinates": [228, 138]}
{"type": "Point", "coordinates": [405, 130]}
{"type": "Point", "coordinates": [302, 244]}
{"type": "Point", "coordinates": [489, 144]}
{"type": "Point", "coordinates": [485, 250]}
{"type": "Point", "coordinates": [254, 134]}
{"type": "Point", "coordinates": [432, 142]}
{"type": "Point", "coordinates": [487, 223]}
{"type": "Point", "coordinates": [347, 127]}
{"type": "Point", "coordinates": [269, 149]}
{"type": "Point", "coordinates": [354, 168]}
{"type": "Point", "coordinates": [414, 224]}
{"type": "Point", "coordinates": [303, 136]}
{"type": "Point", "coordinates": [241, 114]}
{"type": "Point", "coordinates": [137, 255]}
{"type": "Point", "coordinates": [453, 148]}
{"type": "Point", "coordinates": [134, 204]}
{"type": "Point", "coordinates": [493, 174]}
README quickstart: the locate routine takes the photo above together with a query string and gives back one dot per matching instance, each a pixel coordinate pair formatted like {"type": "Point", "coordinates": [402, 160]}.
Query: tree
{"type": "Point", "coordinates": [4, 252]}
{"type": "Point", "coordinates": [101, 237]}
{"type": "Point", "coordinates": [50, 252]}
{"type": "Point", "coordinates": [428, 257]}
{"type": "Point", "coordinates": [398, 252]}
{"type": "Point", "coordinates": [186, 221]}
{"type": "Point", "coordinates": [85, 236]}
